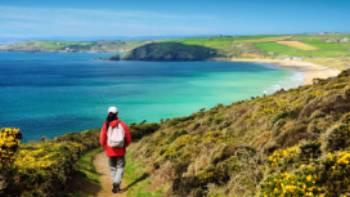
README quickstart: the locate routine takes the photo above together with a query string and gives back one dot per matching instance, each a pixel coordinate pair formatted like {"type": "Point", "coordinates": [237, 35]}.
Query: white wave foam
{"type": "Point", "coordinates": [294, 80]}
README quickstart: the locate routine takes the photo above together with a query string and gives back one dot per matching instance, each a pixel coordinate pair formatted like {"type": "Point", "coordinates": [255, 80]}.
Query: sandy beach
{"type": "Point", "coordinates": [311, 71]}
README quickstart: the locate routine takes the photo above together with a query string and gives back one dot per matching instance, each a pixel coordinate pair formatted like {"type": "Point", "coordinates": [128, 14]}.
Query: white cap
{"type": "Point", "coordinates": [113, 109]}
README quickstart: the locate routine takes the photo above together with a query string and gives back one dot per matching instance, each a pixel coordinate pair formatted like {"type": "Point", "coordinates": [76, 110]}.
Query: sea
{"type": "Point", "coordinates": [48, 94]}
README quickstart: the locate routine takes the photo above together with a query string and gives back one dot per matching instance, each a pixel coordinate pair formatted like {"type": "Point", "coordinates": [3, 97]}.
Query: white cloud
{"type": "Point", "coordinates": [25, 21]}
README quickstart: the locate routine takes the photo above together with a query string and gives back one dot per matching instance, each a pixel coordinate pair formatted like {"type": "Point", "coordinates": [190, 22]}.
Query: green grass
{"type": "Point", "coordinates": [134, 170]}
{"type": "Point", "coordinates": [136, 177]}
{"type": "Point", "coordinates": [265, 44]}
{"type": "Point", "coordinates": [220, 43]}
{"type": "Point", "coordinates": [86, 167]}
{"type": "Point", "coordinates": [279, 49]}
{"type": "Point", "coordinates": [59, 45]}
{"type": "Point", "coordinates": [324, 50]}
{"type": "Point", "coordinates": [87, 176]}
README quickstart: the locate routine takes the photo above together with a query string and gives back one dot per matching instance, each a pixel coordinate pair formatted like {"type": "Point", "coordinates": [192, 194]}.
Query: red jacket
{"type": "Point", "coordinates": [112, 152]}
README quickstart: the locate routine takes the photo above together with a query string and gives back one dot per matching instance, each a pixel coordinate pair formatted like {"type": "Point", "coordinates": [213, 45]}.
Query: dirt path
{"type": "Point", "coordinates": [101, 164]}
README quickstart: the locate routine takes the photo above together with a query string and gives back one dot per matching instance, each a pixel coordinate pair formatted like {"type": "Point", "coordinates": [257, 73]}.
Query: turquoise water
{"type": "Point", "coordinates": [48, 94]}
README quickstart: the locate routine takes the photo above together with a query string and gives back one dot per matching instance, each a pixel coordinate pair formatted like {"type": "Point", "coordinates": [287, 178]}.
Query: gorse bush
{"type": "Point", "coordinates": [45, 168]}
{"type": "Point", "coordinates": [328, 177]}
{"type": "Point", "coordinates": [9, 142]}
{"type": "Point", "coordinates": [41, 168]}
{"type": "Point", "coordinates": [339, 137]}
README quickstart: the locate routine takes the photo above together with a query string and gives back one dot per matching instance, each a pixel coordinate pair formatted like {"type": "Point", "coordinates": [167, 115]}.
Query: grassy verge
{"type": "Point", "coordinates": [86, 168]}
{"type": "Point", "coordinates": [86, 182]}
{"type": "Point", "coordinates": [138, 179]}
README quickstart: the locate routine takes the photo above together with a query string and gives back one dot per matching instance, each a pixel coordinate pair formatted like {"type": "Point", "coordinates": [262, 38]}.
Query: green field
{"type": "Point", "coordinates": [327, 45]}
{"type": "Point", "coordinates": [330, 49]}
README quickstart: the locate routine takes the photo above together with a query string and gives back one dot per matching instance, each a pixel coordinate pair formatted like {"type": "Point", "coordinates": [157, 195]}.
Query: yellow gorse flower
{"type": "Point", "coordinates": [9, 142]}
{"type": "Point", "coordinates": [279, 156]}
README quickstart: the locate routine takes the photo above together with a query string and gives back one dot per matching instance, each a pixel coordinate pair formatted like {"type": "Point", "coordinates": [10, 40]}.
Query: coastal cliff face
{"type": "Point", "coordinates": [170, 51]}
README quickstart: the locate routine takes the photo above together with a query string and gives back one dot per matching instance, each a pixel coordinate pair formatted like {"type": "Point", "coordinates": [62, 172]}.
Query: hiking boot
{"type": "Point", "coordinates": [116, 188]}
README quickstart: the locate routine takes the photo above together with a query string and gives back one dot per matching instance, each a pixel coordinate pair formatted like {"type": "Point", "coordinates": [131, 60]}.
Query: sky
{"type": "Point", "coordinates": [133, 18]}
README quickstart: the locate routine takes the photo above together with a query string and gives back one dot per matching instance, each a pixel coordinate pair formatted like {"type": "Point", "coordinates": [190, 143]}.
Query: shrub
{"type": "Point", "coordinates": [9, 142]}
{"type": "Point", "coordinates": [338, 138]}
{"type": "Point", "coordinates": [310, 151]}
{"type": "Point", "coordinates": [140, 130]}
{"type": "Point", "coordinates": [289, 184]}
{"type": "Point", "coordinates": [328, 177]}
{"type": "Point", "coordinates": [283, 157]}
{"type": "Point", "coordinates": [44, 168]}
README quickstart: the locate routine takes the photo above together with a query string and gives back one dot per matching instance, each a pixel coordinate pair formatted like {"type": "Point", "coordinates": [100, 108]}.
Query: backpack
{"type": "Point", "coordinates": [116, 136]}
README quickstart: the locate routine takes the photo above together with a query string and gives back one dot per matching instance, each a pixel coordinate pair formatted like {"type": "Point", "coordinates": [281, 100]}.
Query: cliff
{"type": "Point", "coordinates": [170, 51]}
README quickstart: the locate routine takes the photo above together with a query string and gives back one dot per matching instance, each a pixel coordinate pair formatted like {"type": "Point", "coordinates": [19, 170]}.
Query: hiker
{"type": "Point", "coordinates": [114, 138]}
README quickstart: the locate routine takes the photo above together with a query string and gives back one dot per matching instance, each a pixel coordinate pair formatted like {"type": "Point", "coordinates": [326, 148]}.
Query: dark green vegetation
{"type": "Point", "coordinates": [292, 143]}
{"type": "Point", "coordinates": [170, 51]}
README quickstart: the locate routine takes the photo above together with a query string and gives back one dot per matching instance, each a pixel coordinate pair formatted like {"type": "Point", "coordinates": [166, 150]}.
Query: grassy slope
{"type": "Point", "coordinates": [252, 146]}
{"type": "Point", "coordinates": [86, 176]}
{"type": "Point", "coordinates": [137, 175]}
{"type": "Point", "coordinates": [299, 138]}
{"type": "Point", "coordinates": [49, 167]}
{"type": "Point", "coordinates": [85, 167]}
{"type": "Point", "coordinates": [44, 168]}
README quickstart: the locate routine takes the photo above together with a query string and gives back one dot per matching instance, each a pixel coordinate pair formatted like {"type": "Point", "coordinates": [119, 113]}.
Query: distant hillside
{"type": "Point", "coordinates": [331, 50]}
{"type": "Point", "coordinates": [292, 143]}
{"type": "Point", "coordinates": [170, 51]}
{"type": "Point", "coordinates": [71, 46]}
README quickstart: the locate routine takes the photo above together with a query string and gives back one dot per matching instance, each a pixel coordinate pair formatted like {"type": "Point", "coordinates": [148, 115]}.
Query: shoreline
{"type": "Point", "coordinates": [310, 70]}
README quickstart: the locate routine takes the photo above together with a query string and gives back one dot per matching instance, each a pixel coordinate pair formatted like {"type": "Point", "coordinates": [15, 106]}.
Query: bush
{"type": "Point", "coordinates": [140, 130]}
{"type": "Point", "coordinates": [310, 151]}
{"type": "Point", "coordinates": [338, 138]}
{"type": "Point", "coordinates": [43, 168]}
{"type": "Point", "coordinates": [329, 177]}
{"type": "Point", "coordinates": [9, 142]}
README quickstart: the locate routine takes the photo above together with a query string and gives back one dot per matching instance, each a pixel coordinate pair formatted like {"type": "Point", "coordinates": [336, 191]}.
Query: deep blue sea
{"type": "Point", "coordinates": [48, 94]}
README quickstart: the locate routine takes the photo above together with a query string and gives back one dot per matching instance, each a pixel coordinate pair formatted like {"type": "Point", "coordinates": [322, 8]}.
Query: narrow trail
{"type": "Point", "coordinates": [101, 165]}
